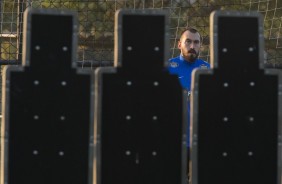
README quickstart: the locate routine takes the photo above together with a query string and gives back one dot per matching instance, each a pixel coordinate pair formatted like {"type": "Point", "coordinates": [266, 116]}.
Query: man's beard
{"type": "Point", "coordinates": [192, 55]}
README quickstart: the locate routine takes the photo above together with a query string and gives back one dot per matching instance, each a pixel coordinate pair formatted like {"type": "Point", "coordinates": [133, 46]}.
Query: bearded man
{"type": "Point", "coordinates": [183, 65]}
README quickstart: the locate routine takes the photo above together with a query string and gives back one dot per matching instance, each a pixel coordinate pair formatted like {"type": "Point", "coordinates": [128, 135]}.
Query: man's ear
{"type": "Point", "coordinates": [179, 44]}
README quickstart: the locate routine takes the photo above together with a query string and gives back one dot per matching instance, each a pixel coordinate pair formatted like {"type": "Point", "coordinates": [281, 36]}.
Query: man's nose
{"type": "Point", "coordinates": [192, 45]}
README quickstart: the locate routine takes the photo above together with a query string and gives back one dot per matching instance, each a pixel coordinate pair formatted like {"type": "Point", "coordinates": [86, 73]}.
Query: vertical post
{"type": "Point", "coordinates": [21, 9]}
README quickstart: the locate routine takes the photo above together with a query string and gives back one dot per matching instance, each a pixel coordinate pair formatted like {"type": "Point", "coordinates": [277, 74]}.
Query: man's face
{"type": "Point", "coordinates": [189, 45]}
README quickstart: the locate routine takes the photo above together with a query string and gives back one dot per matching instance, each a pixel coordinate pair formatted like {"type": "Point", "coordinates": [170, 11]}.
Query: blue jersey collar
{"type": "Point", "coordinates": [187, 62]}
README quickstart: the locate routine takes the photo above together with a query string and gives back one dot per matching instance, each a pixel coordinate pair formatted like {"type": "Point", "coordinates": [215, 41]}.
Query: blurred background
{"type": "Point", "coordinates": [96, 20]}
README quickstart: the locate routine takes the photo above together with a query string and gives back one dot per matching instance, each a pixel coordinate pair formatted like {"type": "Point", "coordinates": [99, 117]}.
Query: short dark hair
{"type": "Point", "coordinates": [191, 29]}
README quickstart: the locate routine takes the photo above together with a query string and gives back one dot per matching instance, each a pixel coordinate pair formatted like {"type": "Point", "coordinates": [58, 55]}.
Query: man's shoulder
{"type": "Point", "coordinates": [174, 62]}
{"type": "Point", "coordinates": [203, 63]}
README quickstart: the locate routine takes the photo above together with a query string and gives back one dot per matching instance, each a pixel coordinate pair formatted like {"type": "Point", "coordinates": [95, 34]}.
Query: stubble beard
{"type": "Point", "coordinates": [191, 55]}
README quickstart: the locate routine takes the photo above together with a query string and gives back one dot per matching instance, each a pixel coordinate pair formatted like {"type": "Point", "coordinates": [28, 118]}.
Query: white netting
{"type": "Point", "coordinates": [96, 18]}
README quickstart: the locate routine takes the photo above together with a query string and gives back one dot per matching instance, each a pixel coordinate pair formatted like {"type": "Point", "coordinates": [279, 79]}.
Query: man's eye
{"type": "Point", "coordinates": [188, 41]}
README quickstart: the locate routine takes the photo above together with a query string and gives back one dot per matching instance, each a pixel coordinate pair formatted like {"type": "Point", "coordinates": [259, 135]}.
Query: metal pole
{"type": "Point", "coordinates": [21, 8]}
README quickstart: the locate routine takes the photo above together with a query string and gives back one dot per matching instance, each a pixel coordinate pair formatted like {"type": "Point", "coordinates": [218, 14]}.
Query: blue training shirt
{"type": "Point", "coordinates": [183, 69]}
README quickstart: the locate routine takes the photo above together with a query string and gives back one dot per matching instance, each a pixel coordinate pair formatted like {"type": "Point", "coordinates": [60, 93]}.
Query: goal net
{"type": "Point", "coordinates": [96, 19]}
